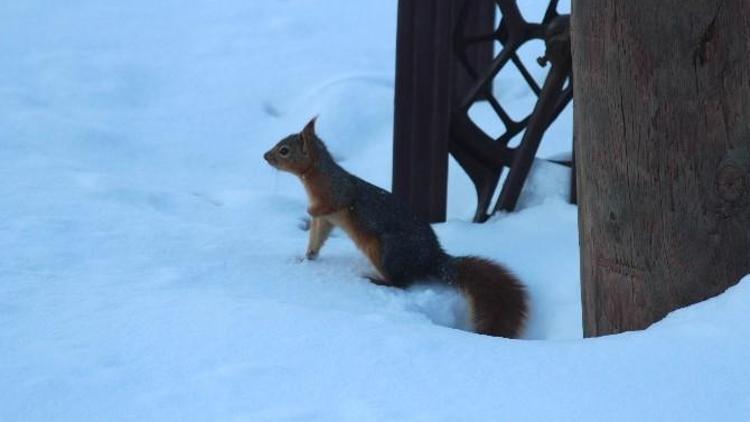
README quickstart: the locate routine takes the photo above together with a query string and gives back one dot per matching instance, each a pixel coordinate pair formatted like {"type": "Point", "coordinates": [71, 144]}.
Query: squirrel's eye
{"type": "Point", "coordinates": [284, 151]}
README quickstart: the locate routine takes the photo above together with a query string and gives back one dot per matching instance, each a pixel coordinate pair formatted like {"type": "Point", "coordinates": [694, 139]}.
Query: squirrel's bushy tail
{"type": "Point", "coordinates": [497, 300]}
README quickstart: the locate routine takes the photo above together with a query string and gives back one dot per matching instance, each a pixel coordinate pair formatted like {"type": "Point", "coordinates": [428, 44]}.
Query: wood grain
{"type": "Point", "coordinates": [662, 122]}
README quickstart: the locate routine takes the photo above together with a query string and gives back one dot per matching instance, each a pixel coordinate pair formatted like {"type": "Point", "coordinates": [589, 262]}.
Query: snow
{"type": "Point", "coordinates": [150, 266]}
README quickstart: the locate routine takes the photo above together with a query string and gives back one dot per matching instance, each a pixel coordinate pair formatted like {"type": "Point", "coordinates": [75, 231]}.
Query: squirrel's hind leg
{"type": "Point", "coordinates": [378, 280]}
{"type": "Point", "coordinates": [320, 229]}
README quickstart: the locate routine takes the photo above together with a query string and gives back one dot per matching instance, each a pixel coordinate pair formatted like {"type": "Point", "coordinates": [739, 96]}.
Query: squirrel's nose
{"type": "Point", "coordinates": [267, 156]}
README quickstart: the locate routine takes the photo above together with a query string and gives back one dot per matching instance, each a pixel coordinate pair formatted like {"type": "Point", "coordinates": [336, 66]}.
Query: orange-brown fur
{"type": "Point", "coordinates": [320, 229]}
{"type": "Point", "coordinates": [368, 243]}
{"type": "Point", "coordinates": [496, 298]}
{"type": "Point", "coordinates": [318, 192]}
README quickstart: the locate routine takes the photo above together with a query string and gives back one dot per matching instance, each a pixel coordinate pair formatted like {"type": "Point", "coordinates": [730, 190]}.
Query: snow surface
{"type": "Point", "coordinates": [150, 266]}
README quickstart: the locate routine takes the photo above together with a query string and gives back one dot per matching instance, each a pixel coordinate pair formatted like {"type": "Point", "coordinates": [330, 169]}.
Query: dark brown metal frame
{"type": "Point", "coordinates": [484, 158]}
{"type": "Point", "coordinates": [433, 97]}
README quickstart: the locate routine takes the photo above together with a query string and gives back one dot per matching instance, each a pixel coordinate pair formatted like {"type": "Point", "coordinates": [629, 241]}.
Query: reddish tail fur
{"type": "Point", "coordinates": [497, 300]}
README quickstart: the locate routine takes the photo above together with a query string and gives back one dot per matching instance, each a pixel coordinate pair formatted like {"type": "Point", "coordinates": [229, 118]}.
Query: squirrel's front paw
{"type": "Point", "coordinates": [311, 255]}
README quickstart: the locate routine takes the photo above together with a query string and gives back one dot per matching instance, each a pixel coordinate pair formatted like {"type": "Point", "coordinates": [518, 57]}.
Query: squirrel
{"type": "Point", "coordinates": [402, 248]}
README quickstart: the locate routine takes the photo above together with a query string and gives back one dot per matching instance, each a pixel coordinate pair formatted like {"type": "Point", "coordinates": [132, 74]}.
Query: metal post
{"type": "Point", "coordinates": [424, 63]}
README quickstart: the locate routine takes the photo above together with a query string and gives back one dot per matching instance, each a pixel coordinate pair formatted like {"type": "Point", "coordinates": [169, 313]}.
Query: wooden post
{"type": "Point", "coordinates": [662, 121]}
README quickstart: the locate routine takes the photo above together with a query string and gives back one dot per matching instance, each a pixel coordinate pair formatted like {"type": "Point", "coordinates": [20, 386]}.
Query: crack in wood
{"type": "Point", "coordinates": [617, 266]}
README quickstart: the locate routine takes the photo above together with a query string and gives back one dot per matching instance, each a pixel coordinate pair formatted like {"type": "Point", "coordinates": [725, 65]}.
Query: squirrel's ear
{"type": "Point", "coordinates": [308, 134]}
{"type": "Point", "coordinates": [309, 130]}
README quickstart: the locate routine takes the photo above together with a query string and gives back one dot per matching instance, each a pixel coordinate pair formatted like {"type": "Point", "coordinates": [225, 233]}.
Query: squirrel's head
{"type": "Point", "coordinates": [296, 153]}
